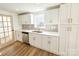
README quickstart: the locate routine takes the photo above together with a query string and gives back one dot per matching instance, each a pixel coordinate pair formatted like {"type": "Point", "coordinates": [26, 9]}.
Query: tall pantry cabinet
{"type": "Point", "coordinates": [69, 29]}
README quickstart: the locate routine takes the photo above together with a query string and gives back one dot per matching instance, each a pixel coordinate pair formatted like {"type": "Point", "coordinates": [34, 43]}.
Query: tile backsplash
{"type": "Point", "coordinates": [53, 28]}
{"type": "Point", "coordinates": [27, 26]}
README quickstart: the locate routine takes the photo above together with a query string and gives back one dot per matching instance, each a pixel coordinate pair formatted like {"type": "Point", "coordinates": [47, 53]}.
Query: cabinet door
{"type": "Point", "coordinates": [18, 35]}
{"type": "Point", "coordinates": [72, 40]}
{"type": "Point", "coordinates": [65, 11]}
{"type": "Point", "coordinates": [54, 44]}
{"type": "Point", "coordinates": [20, 19]}
{"type": "Point", "coordinates": [75, 13]}
{"type": "Point", "coordinates": [28, 19]}
{"type": "Point", "coordinates": [25, 19]}
{"type": "Point", "coordinates": [51, 16]}
{"type": "Point", "coordinates": [77, 51]}
{"type": "Point", "coordinates": [35, 39]}
{"type": "Point", "coordinates": [45, 43]}
{"type": "Point", "coordinates": [32, 39]}
{"type": "Point", "coordinates": [64, 37]}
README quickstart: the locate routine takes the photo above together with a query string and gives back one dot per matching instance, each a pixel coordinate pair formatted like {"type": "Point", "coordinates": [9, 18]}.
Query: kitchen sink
{"type": "Point", "coordinates": [37, 31]}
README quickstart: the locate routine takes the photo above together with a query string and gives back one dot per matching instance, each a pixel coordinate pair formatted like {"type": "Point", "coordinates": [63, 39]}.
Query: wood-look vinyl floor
{"type": "Point", "coordinates": [22, 49]}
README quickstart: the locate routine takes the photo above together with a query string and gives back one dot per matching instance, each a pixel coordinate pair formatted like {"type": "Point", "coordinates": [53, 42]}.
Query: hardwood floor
{"type": "Point", "coordinates": [22, 49]}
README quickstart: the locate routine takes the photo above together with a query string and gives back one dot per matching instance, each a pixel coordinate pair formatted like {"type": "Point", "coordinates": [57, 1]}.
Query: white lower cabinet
{"type": "Point", "coordinates": [54, 44]}
{"type": "Point", "coordinates": [72, 41]}
{"type": "Point", "coordinates": [18, 35]}
{"type": "Point", "coordinates": [50, 43]}
{"type": "Point", "coordinates": [68, 40]}
{"type": "Point", "coordinates": [45, 42]}
{"type": "Point", "coordinates": [63, 41]}
{"type": "Point", "coordinates": [77, 41]}
{"type": "Point", "coordinates": [35, 39]}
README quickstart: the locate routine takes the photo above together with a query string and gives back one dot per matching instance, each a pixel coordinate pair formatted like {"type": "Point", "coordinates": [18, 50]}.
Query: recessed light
{"type": "Point", "coordinates": [17, 9]}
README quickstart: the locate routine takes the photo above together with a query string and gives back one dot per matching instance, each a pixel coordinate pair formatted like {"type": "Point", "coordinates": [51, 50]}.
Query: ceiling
{"type": "Point", "coordinates": [25, 7]}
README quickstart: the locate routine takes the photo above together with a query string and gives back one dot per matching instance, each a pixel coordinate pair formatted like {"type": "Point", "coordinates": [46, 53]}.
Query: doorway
{"type": "Point", "coordinates": [6, 30]}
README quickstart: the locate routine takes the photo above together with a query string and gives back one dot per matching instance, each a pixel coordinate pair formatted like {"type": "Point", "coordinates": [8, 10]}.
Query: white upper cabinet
{"type": "Point", "coordinates": [25, 19]}
{"type": "Point", "coordinates": [75, 13]}
{"type": "Point", "coordinates": [65, 10]}
{"type": "Point", "coordinates": [69, 32]}
{"type": "Point", "coordinates": [51, 16]}
{"type": "Point", "coordinates": [69, 13]}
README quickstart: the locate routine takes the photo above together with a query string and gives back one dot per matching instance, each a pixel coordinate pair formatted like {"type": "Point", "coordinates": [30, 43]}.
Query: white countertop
{"type": "Point", "coordinates": [43, 32]}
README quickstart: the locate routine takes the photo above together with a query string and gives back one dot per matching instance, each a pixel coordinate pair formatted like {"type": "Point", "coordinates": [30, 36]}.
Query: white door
{"type": "Point", "coordinates": [6, 30]}
{"type": "Point", "coordinates": [65, 11]}
{"type": "Point", "coordinates": [63, 41]}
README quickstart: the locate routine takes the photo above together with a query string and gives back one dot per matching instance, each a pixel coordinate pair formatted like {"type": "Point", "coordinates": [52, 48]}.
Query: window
{"type": "Point", "coordinates": [38, 21]}
{"type": "Point", "coordinates": [5, 29]}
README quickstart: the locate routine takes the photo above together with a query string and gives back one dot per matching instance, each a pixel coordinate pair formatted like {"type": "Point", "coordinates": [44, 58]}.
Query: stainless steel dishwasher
{"type": "Point", "coordinates": [25, 37]}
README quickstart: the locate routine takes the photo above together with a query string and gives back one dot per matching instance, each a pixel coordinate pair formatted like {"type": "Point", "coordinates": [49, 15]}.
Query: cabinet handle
{"type": "Point", "coordinates": [69, 29]}
{"type": "Point", "coordinates": [49, 42]}
{"type": "Point", "coordinates": [70, 20]}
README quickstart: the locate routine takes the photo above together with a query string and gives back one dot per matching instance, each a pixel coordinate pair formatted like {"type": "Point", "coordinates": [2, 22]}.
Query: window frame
{"type": "Point", "coordinates": [35, 22]}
